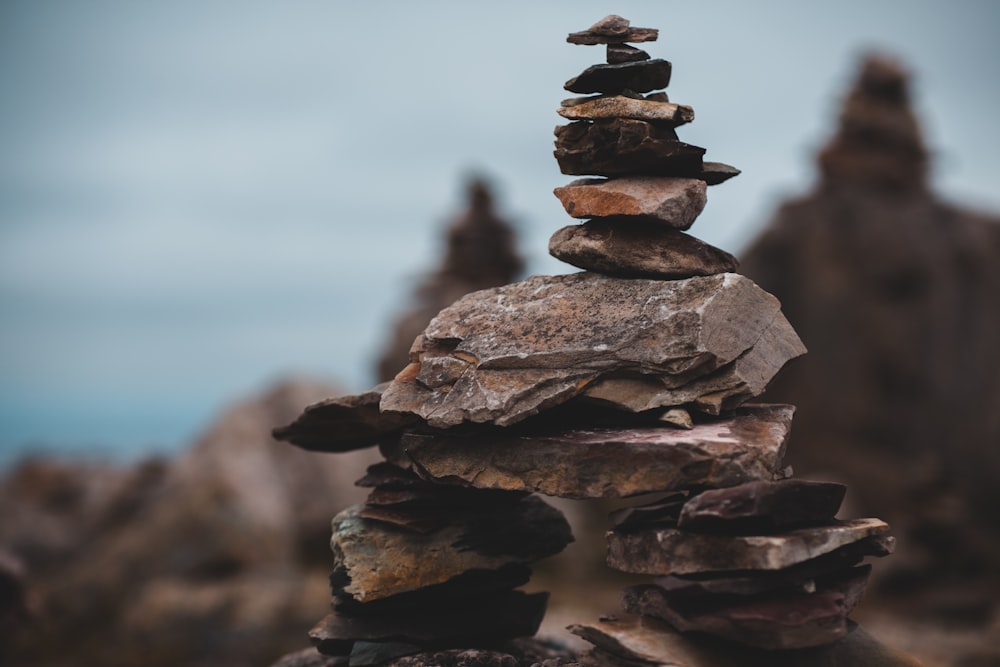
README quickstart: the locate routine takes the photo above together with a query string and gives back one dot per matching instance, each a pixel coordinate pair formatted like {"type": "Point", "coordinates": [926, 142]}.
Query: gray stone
{"type": "Point", "coordinates": [377, 561]}
{"type": "Point", "coordinates": [623, 53]}
{"type": "Point", "coordinates": [672, 551]}
{"type": "Point", "coordinates": [621, 106]}
{"type": "Point", "coordinates": [535, 344]}
{"type": "Point", "coordinates": [635, 249]}
{"type": "Point", "coordinates": [639, 76]}
{"type": "Point", "coordinates": [605, 463]}
{"type": "Point", "coordinates": [675, 202]}
{"type": "Point", "coordinates": [714, 173]}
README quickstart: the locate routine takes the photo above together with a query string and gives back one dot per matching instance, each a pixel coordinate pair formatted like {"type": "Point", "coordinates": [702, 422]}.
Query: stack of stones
{"type": "Point", "coordinates": [626, 379]}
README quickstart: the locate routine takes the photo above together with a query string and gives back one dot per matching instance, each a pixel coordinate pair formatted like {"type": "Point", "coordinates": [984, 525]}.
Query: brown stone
{"type": "Point", "coordinates": [623, 53]}
{"type": "Point", "coordinates": [714, 173]}
{"type": "Point", "coordinates": [639, 76]}
{"type": "Point", "coordinates": [611, 25]}
{"type": "Point", "coordinates": [671, 551]}
{"type": "Point", "coordinates": [789, 620]}
{"type": "Point", "coordinates": [762, 506]}
{"type": "Point", "coordinates": [344, 423]}
{"type": "Point", "coordinates": [659, 512]}
{"type": "Point", "coordinates": [534, 344]}
{"type": "Point", "coordinates": [635, 249]}
{"type": "Point", "coordinates": [605, 463]}
{"type": "Point", "coordinates": [622, 146]}
{"type": "Point", "coordinates": [633, 35]}
{"type": "Point", "coordinates": [675, 202]}
{"type": "Point", "coordinates": [631, 108]}
{"type": "Point", "coordinates": [377, 561]}
{"type": "Point", "coordinates": [481, 619]}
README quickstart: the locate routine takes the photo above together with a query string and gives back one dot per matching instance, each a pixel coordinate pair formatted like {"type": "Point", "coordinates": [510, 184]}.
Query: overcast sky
{"type": "Point", "coordinates": [199, 197]}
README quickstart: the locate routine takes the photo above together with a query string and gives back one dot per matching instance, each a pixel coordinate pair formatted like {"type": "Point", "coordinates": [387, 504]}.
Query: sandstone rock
{"type": "Point", "coordinates": [622, 146]}
{"type": "Point", "coordinates": [639, 76]}
{"type": "Point", "coordinates": [675, 202]}
{"type": "Point", "coordinates": [672, 551]}
{"type": "Point", "coordinates": [635, 249]}
{"type": "Point", "coordinates": [480, 620]}
{"type": "Point", "coordinates": [628, 108]}
{"type": "Point", "coordinates": [344, 423]}
{"type": "Point", "coordinates": [605, 463]}
{"type": "Point", "coordinates": [773, 621]}
{"type": "Point", "coordinates": [377, 561]}
{"type": "Point", "coordinates": [762, 506]}
{"type": "Point", "coordinates": [623, 53]}
{"type": "Point", "coordinates": [569, 331]}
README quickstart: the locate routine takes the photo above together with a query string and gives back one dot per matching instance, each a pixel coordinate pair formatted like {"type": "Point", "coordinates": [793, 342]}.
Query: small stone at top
{"type": "Point", "coordinates": [610, 26]}
{"type": "Point", "coordinates": [612, 29]}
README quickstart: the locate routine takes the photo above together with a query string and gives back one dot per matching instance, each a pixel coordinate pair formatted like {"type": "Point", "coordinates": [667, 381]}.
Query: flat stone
{"type": "Point", "coordinates": [623, 146]}
{"type": "Point", "coordinates": [623, 53]}
{"type": "Point", "coordinates": [671, 201]}
{"type": "Point", "coordinates": [611, 25]}
{"type": "Point", "coordinates": [628, 248]}
{"type": "Point", "coordinates": [622, 107]}
{"type": "Point", "coordinates": [790, 620]}
{"type": "Point", "coordinates": [762, 506]}
{"type": "Point", "coordinates": [664, 551]}
{"type": "Point", "coordinates": [714, 173]}
{"type": "Point", "coordinates": [633, 640]}
{"type": "Point", "coordinates": [344, 423]}
{"type": "Point", "coordinates": [632, 35]}
{"type": "Point", "coordinates": [377, 561]}
{"type": "Point", "coordinates": [605, 463]}
{"type": "Point", "coordinates": [640, 76]}
{"type": "Point", "coordinates": [535, 344]}
{"type": "Point", "coordinates": [483, 619]}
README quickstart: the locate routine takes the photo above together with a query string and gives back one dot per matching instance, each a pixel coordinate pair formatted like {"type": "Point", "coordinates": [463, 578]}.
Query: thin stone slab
{"type": "Point", "coordinates": [664, 551]}
{"type": "Point", "coordinates": [622, 146]}
{"type": "Point", "coordinates": [623, 53]}
{"type": "Point", "coordinates": [670, 201]}
{"type": "Point", "coordinates": [628, 248]}
{"type": "Point", "coordinates": [714, 173]}
{"type": "Point", "coordinates": [483, 619]}
{"type": "Point", "coordinates": [762, 506]}
{"type": "Point", "coordinates": [605, 463]}
{"type": "Point", "coordinates": [783, 621]}
{"type": "Point", "coordinates": [612, 29]}
{"type": "Point", "coordinates": [623, 107]}
{"type": "Point", "coordinates": [377, 561]}
{"type": "Point", "coordinates": [640, 76]}
{"type": "Point", "coordinates": [344, 423]}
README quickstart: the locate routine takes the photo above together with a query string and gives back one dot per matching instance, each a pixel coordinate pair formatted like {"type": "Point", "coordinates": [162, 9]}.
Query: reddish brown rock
{"type": "Point", "coordinates": [622, 146]}
{"type": "Point", "coordinates": [605, 463]}
{"type": "Point", "coordinates": [675, 202]}
{"type": "Point", "coordinates": [612, 29]}
{"type": "Point", "coordinates": [672, 551]}
{"type": "Point", "coordinates": [635, 249]}
{"type": "Point", "coordinates": [640, 76]}
{"type": "Point", "coordinates": [627, 108]}
{"type": "Point", "coordinates": [762, 506]}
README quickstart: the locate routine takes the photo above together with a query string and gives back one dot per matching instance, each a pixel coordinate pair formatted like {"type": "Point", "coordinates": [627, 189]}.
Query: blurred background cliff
{"type": "Point", "coordinates": [201, 202]}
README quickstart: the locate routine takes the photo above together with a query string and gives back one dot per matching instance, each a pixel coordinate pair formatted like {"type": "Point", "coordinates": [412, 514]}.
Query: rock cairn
{"type": "Point", "coordinates": [628, 378]}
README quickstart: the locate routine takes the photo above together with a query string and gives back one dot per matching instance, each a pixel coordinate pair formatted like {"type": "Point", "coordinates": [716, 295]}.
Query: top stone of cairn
{"type": "Point", "coordinates": [612, 29]}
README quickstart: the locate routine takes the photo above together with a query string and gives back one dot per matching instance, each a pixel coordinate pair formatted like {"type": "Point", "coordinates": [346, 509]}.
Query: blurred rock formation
{"type": "Point", "coordinates": [896, 294]}
{"type": "Point", "coordinates": [214, 558]}
{"type": "Point", "coordinates": [480, 253]}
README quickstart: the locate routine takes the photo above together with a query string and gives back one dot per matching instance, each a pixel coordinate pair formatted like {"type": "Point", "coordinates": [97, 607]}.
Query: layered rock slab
{"type": "Point", "coordinates": [762, 505]}
{"type": "Point", "coordinates": [629, 249]}
{"type": "Point", "coordinates": [627, 108]}
{"type": "Point", "coordinates": [639, 76]}
{"type": "Point", "coordinates": [499, 356]}
{"type": "Point", "coordinates": [674, 202]}
{"type": "Point", "coordinates": [604, 463]}
{"type": "Point", "coordinates": [623, 146]}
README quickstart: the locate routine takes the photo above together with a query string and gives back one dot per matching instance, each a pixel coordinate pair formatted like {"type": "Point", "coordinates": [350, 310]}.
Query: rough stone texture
{"type": "Point", "coordinates": [378, 561]}
{"type": "Point", "coordinates": [501, 355]}
{"type": "Point", "coordinates": [605, 463]}
{"type": "Point", "coordinates": [480, 252]}
{"type": "Point", "coordinates": [640, 76]}
{"type": "Point", "coordinates": [610, 30]}
{"type": "Point", "coordinates": [635, 249]}
{"type": "Point", "coordinates": [762, 506]}
{"type": "Point", "coordinates": [629, 640]}
{"type": "Point", "coordinates": [344, 423]}
{"type": "Point", "coordinates": [773, 621]}
{"type": "Point", "coordinates": [623, 53]}
{"type": "Point", "coordinates": [623, 146]}
{"type": "Point", "coordinates": [630, 108]}
{"type": "Point", "coordinates": [675, 202]}
{"type": "Point", "coordinates": [503, 615]}
{"type": "Point", "coordinates": [896, 294]}
{"type": "Point", "coordinates": [611, 25]}
{"type": "Point", "coordinates": [672, 551]}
